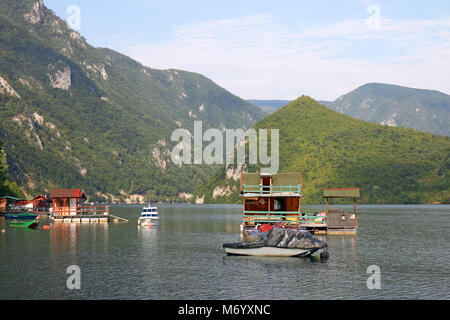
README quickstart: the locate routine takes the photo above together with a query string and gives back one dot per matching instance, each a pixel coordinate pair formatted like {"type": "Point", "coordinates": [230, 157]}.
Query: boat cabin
{"type": "Point", "coordinates": [149, 212]}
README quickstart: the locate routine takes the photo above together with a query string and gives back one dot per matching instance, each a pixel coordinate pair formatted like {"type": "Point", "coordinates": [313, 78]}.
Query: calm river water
{"type": "Point", "coordinates": [183, 258]}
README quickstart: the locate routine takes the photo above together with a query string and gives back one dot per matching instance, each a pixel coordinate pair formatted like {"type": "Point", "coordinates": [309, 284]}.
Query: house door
{"type": "Point", "coordinates": [73, 206]}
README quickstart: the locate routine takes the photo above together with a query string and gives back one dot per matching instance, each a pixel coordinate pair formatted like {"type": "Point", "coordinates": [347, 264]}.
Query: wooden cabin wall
{"type": "Point", "coordinates": [61, 203]}
{"type": "Point", "coordinates": [292, 204]}
{"type": "Point", "coordinates": [255, 205]}
{"type": "Point", "coordinates": [287, 204]}
{"type": "Point", "coordinates": [3, 205]}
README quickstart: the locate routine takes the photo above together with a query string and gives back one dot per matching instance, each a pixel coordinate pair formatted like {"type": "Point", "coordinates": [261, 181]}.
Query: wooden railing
{"type": "Point", "coordinates": [268, 190]}
{"type": "Point", "coordinates": [285, 216]}
{"type": "Point", "coordinates": [81, 210]}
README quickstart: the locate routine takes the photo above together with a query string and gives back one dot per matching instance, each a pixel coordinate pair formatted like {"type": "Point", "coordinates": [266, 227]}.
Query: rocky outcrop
{"type": "Point", "coordinates": [390, 121]}
{"type": "Point", "coordinates": [185, 196]}
{"type": "Point", "coordinates": [5, 88]}
{"type": "Point", "coordinates": [60, 76]}
{"type": "Point", "coordinates": [133, 198]}
{"type": "Point", "coordinates": [98, 70]}
{"type": "Point", "coordinates": [161, 156]}
{"type": "Point", "coordinates": [36, 14]}
{"type": "Point", "coordinates": [235, 173]}
{"type": "Point", "coordinates": [28, 124]}
{"type": "Point", "coordinates": [200, 200]}
{"type": "Point", "coordinates": [220, 192]}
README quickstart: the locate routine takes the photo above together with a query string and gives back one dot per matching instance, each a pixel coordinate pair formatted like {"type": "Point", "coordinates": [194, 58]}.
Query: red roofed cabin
{"type": "Point", "coordinates": [66, 202]}
{"type": "Point", "coordinates": [41, 203]}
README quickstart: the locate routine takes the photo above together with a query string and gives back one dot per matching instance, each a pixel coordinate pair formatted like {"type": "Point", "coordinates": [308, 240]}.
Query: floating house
{"type": "Point", "coordinates": [269, 199]}
{"type": "Point", "coordinates": [277, 199]}
{"type": "Point", "coordinates": [68, 206]}
{"type": "Point", "coordinates": [41, 203]}
{"type": "Point", "coordinates": [12, 204]}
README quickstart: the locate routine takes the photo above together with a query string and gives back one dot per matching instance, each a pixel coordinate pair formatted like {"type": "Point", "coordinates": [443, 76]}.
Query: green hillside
{"type": "Point", "coordinates": [72, 115]}
{"type": "Point", "coordinates": [7, 187]}
{"type": "Point", "coordinates": [332, 150]}
{"type": "Point", "coordinates": [424, 110]}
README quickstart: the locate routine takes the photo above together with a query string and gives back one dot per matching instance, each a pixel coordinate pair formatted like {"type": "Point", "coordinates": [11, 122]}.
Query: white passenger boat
{"type": "Point", "coordinates": [148, 216]}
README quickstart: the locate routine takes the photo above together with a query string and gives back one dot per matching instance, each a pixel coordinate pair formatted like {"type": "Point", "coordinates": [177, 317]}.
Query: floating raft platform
{"type": "Point", "coordinates": [81, 219]}
{"type": "Point", "coordinates": [96, 218]}
{"type": "Point", "coordinates": [277, 198]}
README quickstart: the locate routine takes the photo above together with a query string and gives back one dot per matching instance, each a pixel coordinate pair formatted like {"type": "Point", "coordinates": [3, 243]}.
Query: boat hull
{"type": "Point", "coordinates": [24, 224]}
{"type": "Point", "coordinates": [21, 216]}
{"type": "Point", "coordinates": [270, 252]}
{"type": "Point", "coordinates": [278, 242]}
{"type": "Point", "coordinates": [147, 221]}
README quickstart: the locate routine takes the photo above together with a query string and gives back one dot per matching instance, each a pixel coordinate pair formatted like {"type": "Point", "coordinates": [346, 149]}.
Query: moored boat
{"type": "Point", "coordinates": [148, 215]}
{"type": "Point", "coordinates": [24, 224]}
{"type": "Point", "coordinates": [21, 216]}
{"type": "Point", "coordinates": [279, 242]}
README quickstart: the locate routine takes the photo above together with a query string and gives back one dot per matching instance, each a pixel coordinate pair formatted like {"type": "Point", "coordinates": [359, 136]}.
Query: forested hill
{"type": "Point", "coordinates": [7, 187]}
{"type": "Point", "coordinates": [72, 115]}
{"type": "Point", "coordinates": [332, 150]}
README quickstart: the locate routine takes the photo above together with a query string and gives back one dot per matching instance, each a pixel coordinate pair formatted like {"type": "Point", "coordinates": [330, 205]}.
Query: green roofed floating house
{"type": "Point", "coordinates": [276, 200]}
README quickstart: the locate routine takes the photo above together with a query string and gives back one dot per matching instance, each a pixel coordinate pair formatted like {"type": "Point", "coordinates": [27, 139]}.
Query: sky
{"type": "Point", "coordinates": [261, 49]}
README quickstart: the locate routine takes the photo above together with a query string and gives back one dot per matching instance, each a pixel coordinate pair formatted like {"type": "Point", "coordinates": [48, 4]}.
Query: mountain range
{"type": "Point", "coordinates": [72, 115]}
{"type": "Point", "coordinates": [386, 104]}
{"type": "Point", "coordinates": [76, 116]}
{"type": "Point", "coordinates": [392, 105]}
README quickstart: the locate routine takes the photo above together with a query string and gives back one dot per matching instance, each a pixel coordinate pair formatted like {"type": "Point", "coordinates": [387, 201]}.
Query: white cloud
{"type": "Point", "coordinates": [254, 57]}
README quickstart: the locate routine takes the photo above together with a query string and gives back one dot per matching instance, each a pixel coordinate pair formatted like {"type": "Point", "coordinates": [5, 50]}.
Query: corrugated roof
{"type": "Point", "coordinates": [341, 193]}
{"type": "Point", "coordinates": [11, 198]}
{"type": "Point", "coordinates": [67, 193]}
{"type": "Point", "coordinates": [39, 196]}
{"type": "Point", "coordinates": [286, 179]}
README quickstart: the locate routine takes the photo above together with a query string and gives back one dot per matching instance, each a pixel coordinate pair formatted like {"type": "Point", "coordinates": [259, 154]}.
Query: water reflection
{"type": "Point", "coordinates": [182, 258]}
{"type": "Point", "coordinates": [67, 238]}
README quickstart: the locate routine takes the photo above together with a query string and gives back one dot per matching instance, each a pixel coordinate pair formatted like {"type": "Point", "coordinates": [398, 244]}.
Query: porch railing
{"type": "Point", "coordinates": [82, 210]}
{"type": "Point", "coordinates": [267, 190]}
{"type": "Point", "coordinates": [286, 216]}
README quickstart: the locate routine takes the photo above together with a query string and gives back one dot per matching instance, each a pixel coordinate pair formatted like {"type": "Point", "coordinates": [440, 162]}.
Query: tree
{"type": "Point", "coordinates": [7, 188]}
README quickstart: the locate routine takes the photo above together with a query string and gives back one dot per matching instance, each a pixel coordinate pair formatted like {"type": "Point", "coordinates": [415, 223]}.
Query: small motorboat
{"type": "Point", "coordinates": [21, 216]}
{"type": "Point", "coordinates": [24, 224]}
{"type": "Point", "coordinates": [279, 242]}
{"type": "Point", "coordinates": [149, 215]}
